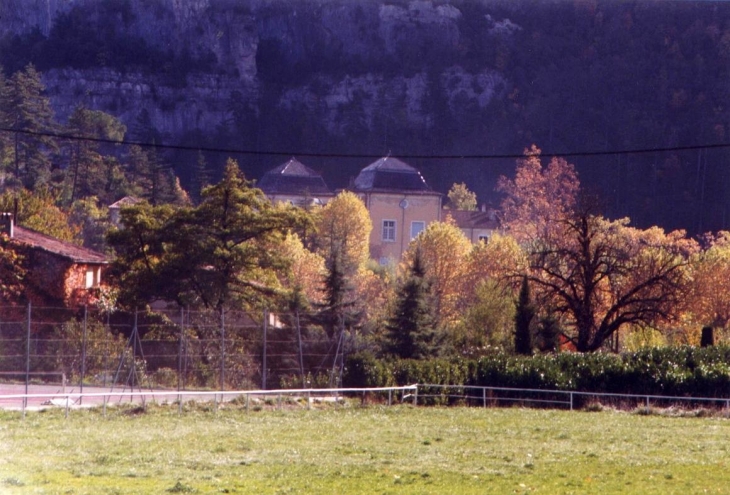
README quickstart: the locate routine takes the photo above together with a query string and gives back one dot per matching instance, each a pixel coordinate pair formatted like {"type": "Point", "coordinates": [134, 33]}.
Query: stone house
{"type": "Point", "coordinates": [59, 273]}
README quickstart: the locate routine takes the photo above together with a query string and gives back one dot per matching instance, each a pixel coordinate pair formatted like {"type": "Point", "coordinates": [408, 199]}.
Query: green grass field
{"type": "Point", "coordinates": [353, 449]}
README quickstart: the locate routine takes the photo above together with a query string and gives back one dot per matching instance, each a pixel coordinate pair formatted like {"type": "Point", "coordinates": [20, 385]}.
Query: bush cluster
{"type": "Point", "coordinates": [672, 371]}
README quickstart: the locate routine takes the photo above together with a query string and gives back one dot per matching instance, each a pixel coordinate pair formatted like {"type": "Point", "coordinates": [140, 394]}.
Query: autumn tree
{"type": "Point", "coordinates": [343, 226]}
{"type": "Point", "coordinates": [411, 331]}
{"type": "Point", "coordinates": [38, 211]}
{"type": "Point", "coordinates": [486, 302]}
{"type": "Point", "coordinates": [444, 250]}
{"type": "Point", "coordinates": [305, 272]}
{"type": "Point", "coordinates": [342, 239]}
{"type": "Point", "coordinates": [539, 197]}
{"type": "Point", "coordinates": [13, 269]}
{"type": "Point", "coordinates": [602, 275]}
{"type": "Point", "coordinates": [501, 260]}
{"type": "Point", "coordinates": [708, 303]}
{"type": "Point", "coordinates": [461, 198]}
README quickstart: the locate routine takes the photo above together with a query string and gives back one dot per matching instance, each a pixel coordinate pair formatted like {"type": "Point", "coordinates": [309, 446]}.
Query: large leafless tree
{"type": "Point", "coordinates": [601, 275]}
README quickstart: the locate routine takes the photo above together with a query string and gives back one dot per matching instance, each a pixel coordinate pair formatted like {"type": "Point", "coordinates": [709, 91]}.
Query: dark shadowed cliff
{"type": "Point", "coordinates": [410, 78]}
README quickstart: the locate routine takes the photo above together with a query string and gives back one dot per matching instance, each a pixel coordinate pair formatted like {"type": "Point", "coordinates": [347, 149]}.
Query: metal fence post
{"type": "Point", "coordinates": [484, 396]}
{"type": "Point", "coordinates": [179, 358]}
{"type": "Point", "coordinates": [571, 401]}
{"type": "Point", "coordinates": [415, 396]}
{"type": "Point", "coordinates": [83, 356]}
{"type": "Point", "coordinates": [223, 351]}
{"type": "Point", "coordinates": [263, 360]}
{"type": "Point", "coordinates": [27, 361]}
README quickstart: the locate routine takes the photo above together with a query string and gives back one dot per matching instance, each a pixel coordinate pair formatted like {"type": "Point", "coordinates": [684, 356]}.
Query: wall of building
{"type": "Point", "coordinates": [404, 210]}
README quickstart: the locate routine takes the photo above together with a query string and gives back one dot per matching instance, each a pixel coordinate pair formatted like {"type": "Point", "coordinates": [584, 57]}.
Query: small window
{"type": "Point", "coordinates": [417, 228]}
{"type": "Point", "coordinates": [484, 238]}
{"type": "Point", "coordinates": [93, 277]}
{"type": "Point", "coordinates": [388, 230]}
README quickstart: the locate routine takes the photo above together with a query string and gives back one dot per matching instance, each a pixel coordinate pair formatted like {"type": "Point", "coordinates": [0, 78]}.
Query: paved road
{"type": "Point", "coordinates": [54, 395]}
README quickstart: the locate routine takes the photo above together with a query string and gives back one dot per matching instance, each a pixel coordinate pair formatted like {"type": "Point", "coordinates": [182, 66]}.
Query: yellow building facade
{"type": "Point", "coordinates": [400, 203]}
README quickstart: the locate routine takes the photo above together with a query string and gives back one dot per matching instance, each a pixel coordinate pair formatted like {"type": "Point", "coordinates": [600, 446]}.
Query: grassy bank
{"type": "Point", "coordinates": [362, 450]}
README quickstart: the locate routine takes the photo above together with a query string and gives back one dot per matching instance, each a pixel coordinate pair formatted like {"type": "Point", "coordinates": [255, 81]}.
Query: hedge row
{"type": "Point", "coordinates": [674, 371]}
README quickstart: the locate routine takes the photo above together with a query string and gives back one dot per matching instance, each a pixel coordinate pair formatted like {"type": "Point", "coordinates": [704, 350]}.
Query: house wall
{"type": "Point", "coordinates": [56, 281]}
{"type": "Point", "coordinates": [474, 234]}
{"type": "Point", "coordinates": [424, 208]}
{"type": "Point", "coordinates": [75, 285]}
{"type": "Point", "coordinates": [45, 277]}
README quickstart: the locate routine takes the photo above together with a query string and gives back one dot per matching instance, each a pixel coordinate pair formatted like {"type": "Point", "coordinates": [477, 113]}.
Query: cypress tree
{"type": "Point", "coordinates": [523, 319]}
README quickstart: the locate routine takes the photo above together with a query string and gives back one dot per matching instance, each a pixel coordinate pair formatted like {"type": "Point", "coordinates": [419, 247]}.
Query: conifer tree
{"type": "Point", "coordinates": [89, 171]}
{"type": "Point", "coordinates": [201, 177]}
{"type": "Point", "coordinates": [29, 113]}
{"type": "Point", "coordinates": [411, 328]}
{"type": "Point", "coordinates": [523, 320]}
{"type": "Point", "coordinates": [337, 311]}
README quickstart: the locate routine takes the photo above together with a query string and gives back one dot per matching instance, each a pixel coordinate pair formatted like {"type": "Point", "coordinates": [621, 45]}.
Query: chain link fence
{"type": "Point", "coordinates": [179, 349]}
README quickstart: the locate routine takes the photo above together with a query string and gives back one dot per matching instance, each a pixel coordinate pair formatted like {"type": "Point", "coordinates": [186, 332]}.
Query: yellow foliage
{"type": "Point", "coordinates": [444, 251]}
{"type": "Point", "coordinates": [344, 225]}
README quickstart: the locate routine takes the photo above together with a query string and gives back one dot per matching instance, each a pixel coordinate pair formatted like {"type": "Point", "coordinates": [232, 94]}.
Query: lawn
{"type": "Point", "coordinates": [353, 449]}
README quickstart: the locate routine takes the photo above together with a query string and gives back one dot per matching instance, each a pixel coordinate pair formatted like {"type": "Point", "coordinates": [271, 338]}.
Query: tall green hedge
{"type": "Point", "coordinates": [674, 371]}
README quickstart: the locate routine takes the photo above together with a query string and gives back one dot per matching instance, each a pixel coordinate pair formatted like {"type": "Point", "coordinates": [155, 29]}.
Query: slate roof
{"type": "Point", "coordinates": [474, 219]}
{"type": "Point", "coordinates": [293, 178]}
{"type": "Point", "coordinates": [391, 174]}
{"type": "Point", "coordinates": [61, 248]}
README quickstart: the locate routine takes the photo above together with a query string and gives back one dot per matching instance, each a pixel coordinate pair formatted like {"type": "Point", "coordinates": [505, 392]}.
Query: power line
{"type": "Point", "coordinates": [420, 156]}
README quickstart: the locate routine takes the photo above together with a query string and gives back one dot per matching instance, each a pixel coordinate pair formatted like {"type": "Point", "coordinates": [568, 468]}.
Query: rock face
{"type": "Point", "coordinates": [200, 103]}
{"type": "Point", "coordinates": [339, 60]}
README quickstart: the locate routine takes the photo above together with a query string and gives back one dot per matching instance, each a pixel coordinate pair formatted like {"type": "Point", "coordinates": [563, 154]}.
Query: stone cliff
{"type": "Point", "coordinates": [347, 62]}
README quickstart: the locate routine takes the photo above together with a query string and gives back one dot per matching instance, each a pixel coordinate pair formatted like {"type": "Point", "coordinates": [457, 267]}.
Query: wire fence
{"type": "Point", "coordinates": [472, 395]}
{"type": "Point", "coordinates": [178, 349]}
{"type": "Point", "coordinates": [277, 399]}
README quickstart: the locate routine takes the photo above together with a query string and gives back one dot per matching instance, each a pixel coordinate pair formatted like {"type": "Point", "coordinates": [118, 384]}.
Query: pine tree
{"type": "Point", "coordinates": [201, 177]}
{"type": "Point", "coordinates": [523, 320]}
{"type": "Point", "coordinates": [5, 121]}
{"type": "Point", "coordinates": [30, 115]}
{"type": "Point", "coordinates": [411, 328]}
{"type": "Point", "coordinates": [89, 171]}
{"type": "Point", "coordinates": [337, 311]}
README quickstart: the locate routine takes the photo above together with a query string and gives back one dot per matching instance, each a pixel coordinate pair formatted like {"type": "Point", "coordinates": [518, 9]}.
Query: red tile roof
{"type": "Point", "coordinates": [65, 249]}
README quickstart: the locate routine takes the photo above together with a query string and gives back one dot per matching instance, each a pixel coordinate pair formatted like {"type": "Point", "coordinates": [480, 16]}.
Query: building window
{"type": "Point", "coordinates": [484, 238]}
{"type": "Point", "coordinates": [93, 277]}
{"type": "Point", "coordinates": [388, 230]}
{"type": "Point", "coordinates": [417, 228]}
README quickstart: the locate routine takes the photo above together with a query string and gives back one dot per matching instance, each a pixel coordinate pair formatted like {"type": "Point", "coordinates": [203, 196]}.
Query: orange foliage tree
{"type": "Point", "coordinates": [601, 275]}
{"type": "Point", "coordinates": [538, 197]}
{"type": "Point", "coordinates": [709, 301]}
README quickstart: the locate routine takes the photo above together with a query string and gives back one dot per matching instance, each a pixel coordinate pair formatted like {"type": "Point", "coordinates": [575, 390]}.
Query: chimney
{"type": "Point", "coordinates": [6, 224]}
